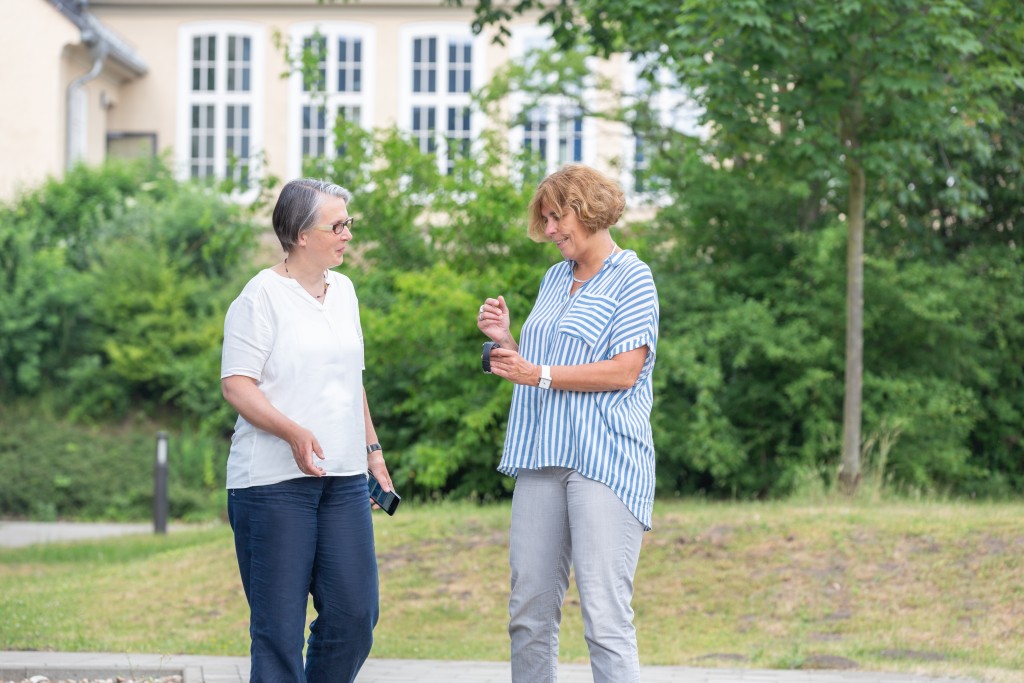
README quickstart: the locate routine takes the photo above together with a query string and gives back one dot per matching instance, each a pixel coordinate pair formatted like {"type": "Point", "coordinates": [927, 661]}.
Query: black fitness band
{"type": "Point", "coordinates": [485, 359]}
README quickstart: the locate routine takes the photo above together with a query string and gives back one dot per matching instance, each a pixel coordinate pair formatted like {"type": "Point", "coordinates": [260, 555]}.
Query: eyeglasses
{"type": "Point", "coordinates": [337, 228]}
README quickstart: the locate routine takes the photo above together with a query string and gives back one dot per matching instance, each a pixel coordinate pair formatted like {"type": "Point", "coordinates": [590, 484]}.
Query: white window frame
{"type": "Point", "coordinates": [221, 99]}
{"type": "Point", "coordinates": [675, 108]}
{"type": "Point", "coordinates": [332, 100]}
{"type": "Point", "coordinates": [441, 100]}
{"type": "Point", "coordinates": [550, 110]}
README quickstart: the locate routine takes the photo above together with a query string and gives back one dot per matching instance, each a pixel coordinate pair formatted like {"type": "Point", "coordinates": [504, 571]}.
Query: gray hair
{"type": "Point", "coordinates": [299, 205]}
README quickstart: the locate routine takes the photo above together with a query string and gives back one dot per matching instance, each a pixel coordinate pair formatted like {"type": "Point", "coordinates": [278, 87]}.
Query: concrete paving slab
{"type": "Point", "coordinates": [197, 669]}
{"type": "Point", "coordinates": [20, 534]}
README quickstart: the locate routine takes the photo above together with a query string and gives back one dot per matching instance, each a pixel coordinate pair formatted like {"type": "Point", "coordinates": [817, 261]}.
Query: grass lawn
{"type": "Point", "coordinates": [931, 588]}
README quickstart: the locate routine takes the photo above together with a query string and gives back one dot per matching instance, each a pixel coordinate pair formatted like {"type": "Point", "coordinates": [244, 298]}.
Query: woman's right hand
{"type": "Point", "coordinates": [304, 447]}
{"type": "Point", "coordinates": [494, 321]}
{"type": "Point", "coordinates": [245, 396]}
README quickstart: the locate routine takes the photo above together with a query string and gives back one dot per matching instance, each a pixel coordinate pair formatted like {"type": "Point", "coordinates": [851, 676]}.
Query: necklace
{"type": "Point", "coordinates": [315, 296]}
{"type": "Point", "coordinates": [578, 281]}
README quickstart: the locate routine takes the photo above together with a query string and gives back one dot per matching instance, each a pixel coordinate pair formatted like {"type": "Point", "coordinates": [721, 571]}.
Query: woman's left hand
{"type": "Point", "coordinates": [378, 468]}
{"type": "Point", "coordinates": [513, 367]}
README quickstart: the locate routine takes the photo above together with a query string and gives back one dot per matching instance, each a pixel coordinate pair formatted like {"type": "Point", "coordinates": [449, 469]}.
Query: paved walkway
{"type": "Point", "coordinates": [18, 534]}
{"type": "Point", "coordinates": [17, 666]}
{"type": "Point", "coordinates": [22, 665]}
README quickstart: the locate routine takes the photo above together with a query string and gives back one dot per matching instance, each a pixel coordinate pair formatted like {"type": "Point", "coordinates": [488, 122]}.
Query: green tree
{"type": "Point", "coordinates": [834, 97]}
{"type": "Point", "coordinates": [428, 248]}
{"type": "Point", "coordinates": [121, 303]}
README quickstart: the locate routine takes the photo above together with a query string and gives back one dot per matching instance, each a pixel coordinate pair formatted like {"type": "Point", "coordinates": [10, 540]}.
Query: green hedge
{"type": "Point", "coordinates": [112, 314]}
{"type": "Point", "coordinates": [55, 469]}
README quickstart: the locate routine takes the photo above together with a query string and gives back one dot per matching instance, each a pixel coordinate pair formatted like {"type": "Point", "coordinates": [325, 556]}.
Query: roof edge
{"type": "Point", "coordinates": [93, 30]}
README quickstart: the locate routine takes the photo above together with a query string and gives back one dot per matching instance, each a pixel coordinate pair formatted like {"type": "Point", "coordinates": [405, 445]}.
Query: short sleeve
{"type": "Point", "coordinates": [635, 322]}
{"type": "Point", "coordinates": [248, 336]}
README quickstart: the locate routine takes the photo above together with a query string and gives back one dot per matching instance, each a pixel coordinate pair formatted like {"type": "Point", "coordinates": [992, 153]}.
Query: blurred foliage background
{"type": "Point", "coordinates": [114, 282]}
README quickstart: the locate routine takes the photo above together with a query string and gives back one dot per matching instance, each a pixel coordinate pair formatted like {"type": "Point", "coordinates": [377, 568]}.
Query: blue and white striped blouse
{"type": "Point", "coordinates": [605, 436]}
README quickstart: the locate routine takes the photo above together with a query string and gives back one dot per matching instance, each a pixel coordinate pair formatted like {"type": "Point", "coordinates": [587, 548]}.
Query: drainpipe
{"type": "Point", "coordinates": [98, 49]}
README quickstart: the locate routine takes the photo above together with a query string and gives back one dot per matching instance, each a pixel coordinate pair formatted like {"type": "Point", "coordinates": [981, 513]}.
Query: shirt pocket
{"type": "Point", "coordinates": [588, 319]}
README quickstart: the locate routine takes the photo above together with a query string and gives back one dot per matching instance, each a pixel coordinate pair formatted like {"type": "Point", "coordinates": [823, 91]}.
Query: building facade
{"type": "Point", "coordinates": [214, 84]}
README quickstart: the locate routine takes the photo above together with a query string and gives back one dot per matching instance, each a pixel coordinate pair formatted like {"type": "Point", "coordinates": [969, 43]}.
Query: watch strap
{"type": "Point", "coordinates": [373, 447]}
{"type": "Point", "coordinates": [545, 377]}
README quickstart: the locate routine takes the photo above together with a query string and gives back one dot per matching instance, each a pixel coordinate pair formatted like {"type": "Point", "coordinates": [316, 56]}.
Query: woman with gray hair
{"type": "Point", "coordinates": [292, 366]}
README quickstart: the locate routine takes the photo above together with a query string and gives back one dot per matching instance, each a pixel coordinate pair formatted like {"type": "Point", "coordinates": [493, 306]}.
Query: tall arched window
{"type": "Point", "coordinates": [219, 134]}
{"type": "Point", "coordinates": [340, 88]}
{"type": "Point", "coordinates": [440, 65]}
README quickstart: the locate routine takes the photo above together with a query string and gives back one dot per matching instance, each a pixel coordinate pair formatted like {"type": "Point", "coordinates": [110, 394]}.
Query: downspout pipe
{"type": "Point", "coordinates": [98, 49]}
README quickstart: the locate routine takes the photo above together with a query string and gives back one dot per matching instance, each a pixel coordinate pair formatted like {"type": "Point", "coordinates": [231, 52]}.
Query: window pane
{"type": "Point", "coordinates": [202, 67]}
{"type": "Point", "coordinates": [238, 66]}
{"type": "Point", "coordinates": [424, 65]}
{"type": "Point", "coordinates": [424, 124]}
{"type": "Point", "coordinates": [349, 52]}
{"type": "Point", "coordinates": [460, 67]}
{"type": "Point", "coordinates": [313, 131]}
{"type": "Point", "coordinates": [535, 132]}
{"type": "Point", "coordinates": [316, 46]}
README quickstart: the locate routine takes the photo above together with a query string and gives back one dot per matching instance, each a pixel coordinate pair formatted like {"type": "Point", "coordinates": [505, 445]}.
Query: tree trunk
{"type": "Point", "coordinates": [849, 471]}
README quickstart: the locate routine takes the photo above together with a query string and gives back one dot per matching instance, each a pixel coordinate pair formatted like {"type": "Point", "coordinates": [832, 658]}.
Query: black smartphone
{"type": "Point", "coordinates": [388, 500]}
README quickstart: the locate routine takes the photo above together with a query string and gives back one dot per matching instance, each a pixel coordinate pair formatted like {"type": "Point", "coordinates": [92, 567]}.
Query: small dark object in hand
{"type": "Point", "coordinates": [485, 359]}
{"type": "Point", "coordinates": [387, 500]}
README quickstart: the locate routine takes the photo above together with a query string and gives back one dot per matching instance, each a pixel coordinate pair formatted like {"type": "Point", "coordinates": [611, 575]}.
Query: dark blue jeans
{"type": "Point", "coordinates": [301, 537]}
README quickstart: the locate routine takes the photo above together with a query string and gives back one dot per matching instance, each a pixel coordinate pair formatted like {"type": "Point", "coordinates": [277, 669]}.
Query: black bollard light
{"type": "Point", "coordinates": [160, 485]}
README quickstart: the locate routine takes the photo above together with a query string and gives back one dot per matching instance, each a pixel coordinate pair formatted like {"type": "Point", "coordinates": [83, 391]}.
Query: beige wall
{"type": "Point", "coordinates": [43, 55]}
{"type": "Point", "coordinates": [32, 93]}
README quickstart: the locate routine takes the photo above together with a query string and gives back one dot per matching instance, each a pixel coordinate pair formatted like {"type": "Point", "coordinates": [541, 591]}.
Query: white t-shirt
{"type": "Point", "coordinates": [307, 359]}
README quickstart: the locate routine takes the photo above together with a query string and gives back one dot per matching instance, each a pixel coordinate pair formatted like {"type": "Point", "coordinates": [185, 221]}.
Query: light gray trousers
{"type": "Point", "coordinates": [561, 519]}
